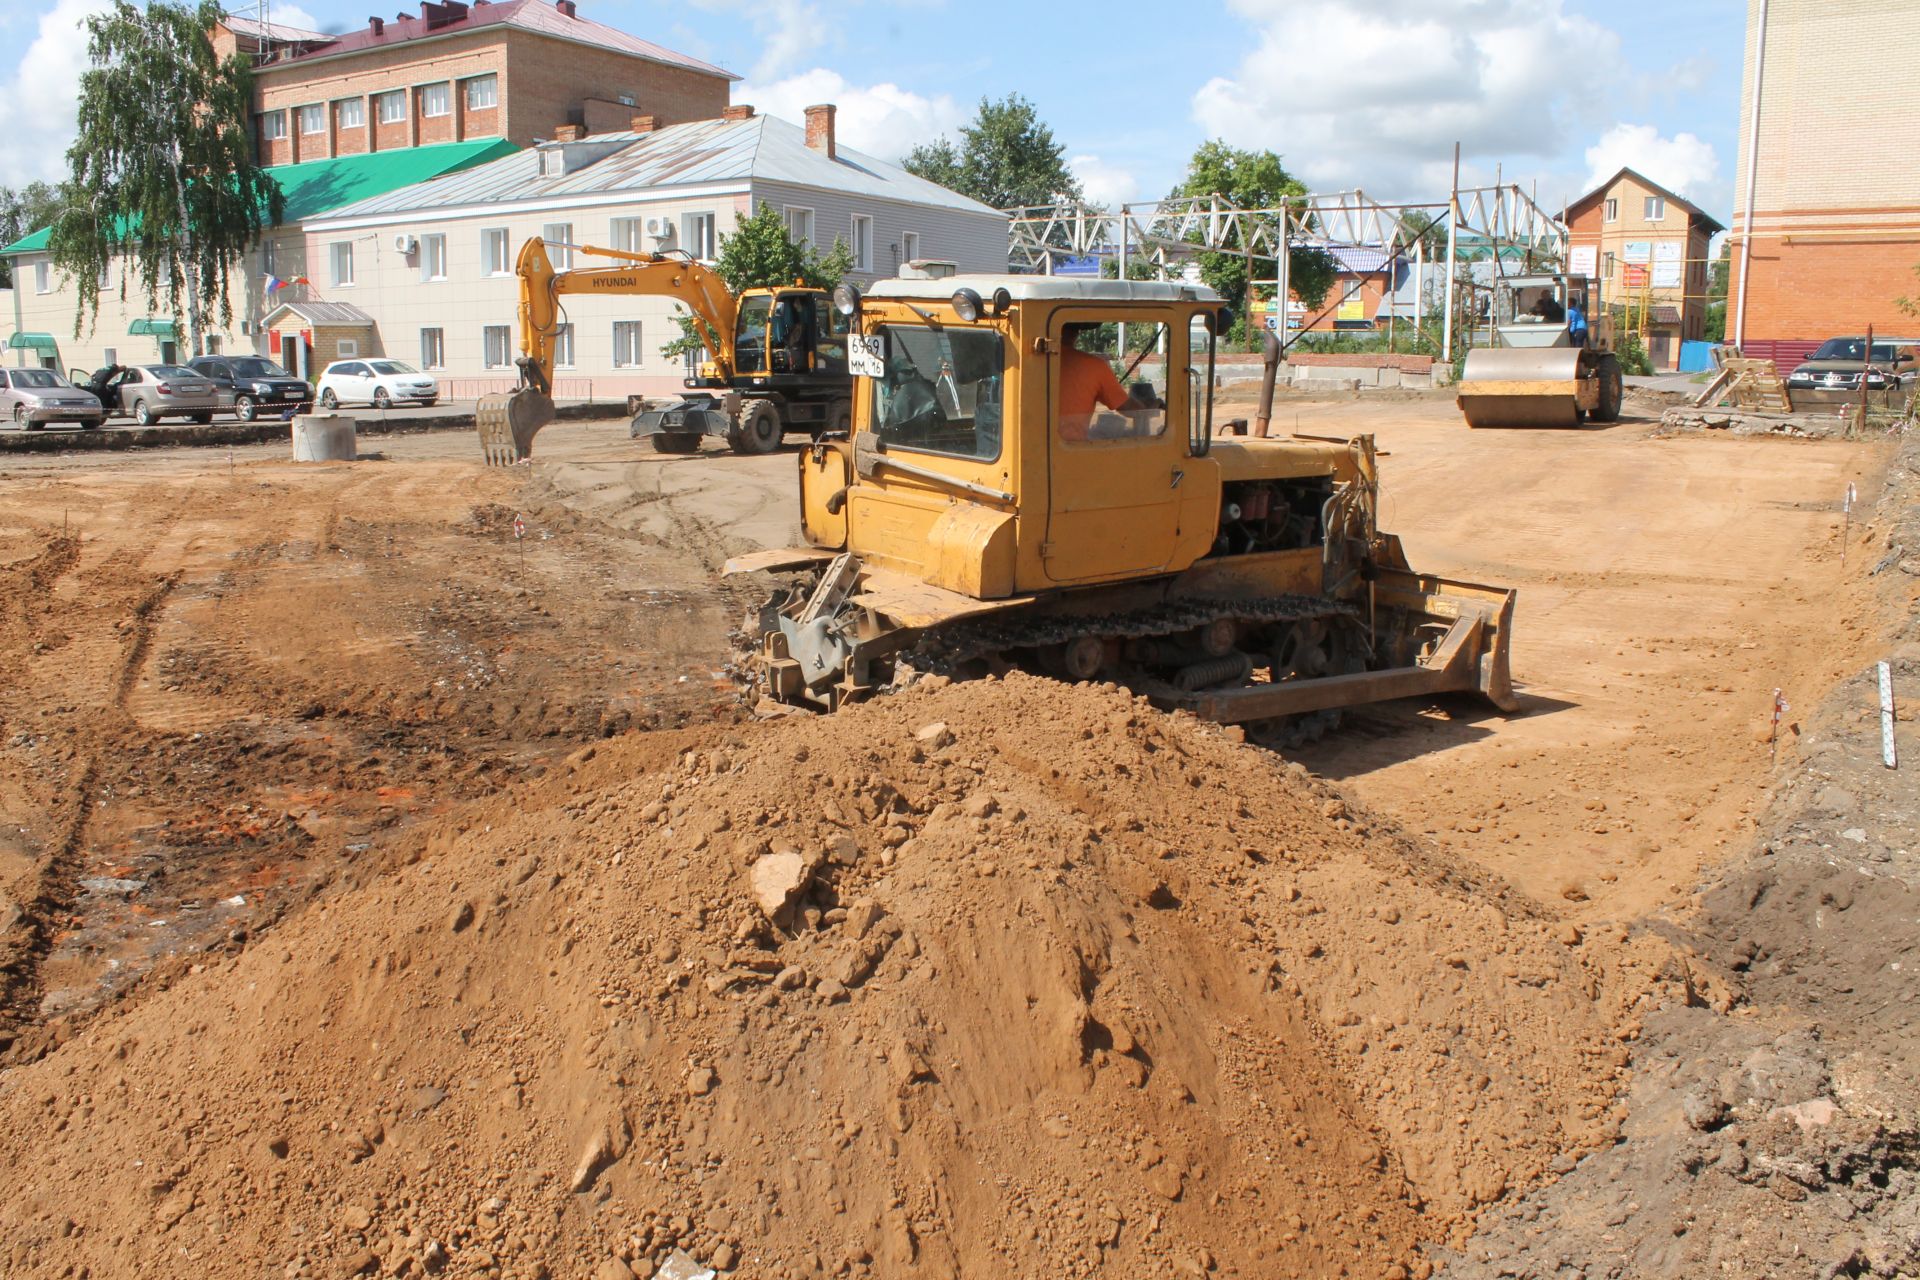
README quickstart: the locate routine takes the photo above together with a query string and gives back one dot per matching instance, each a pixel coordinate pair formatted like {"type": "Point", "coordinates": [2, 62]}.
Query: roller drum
{"type": "Point", "coordinates": [1521, 387]}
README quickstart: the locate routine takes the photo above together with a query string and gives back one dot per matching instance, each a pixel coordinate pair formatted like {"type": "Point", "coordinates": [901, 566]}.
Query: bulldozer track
{"type": "Point", "coordinates": [985, 638]}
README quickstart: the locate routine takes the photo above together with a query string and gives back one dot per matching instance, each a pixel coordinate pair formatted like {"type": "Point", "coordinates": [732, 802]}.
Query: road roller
{"type": "Point", "coordinates": [1543, 371]}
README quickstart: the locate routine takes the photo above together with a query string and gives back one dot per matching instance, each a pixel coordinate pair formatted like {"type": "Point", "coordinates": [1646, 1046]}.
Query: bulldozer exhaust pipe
{"type": "Point", "coordinates": [1263, 418]}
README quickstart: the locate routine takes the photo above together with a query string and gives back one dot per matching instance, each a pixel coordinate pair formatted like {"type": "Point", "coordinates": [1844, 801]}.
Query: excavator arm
{"type": "Point", "coordinates": [508, 423]}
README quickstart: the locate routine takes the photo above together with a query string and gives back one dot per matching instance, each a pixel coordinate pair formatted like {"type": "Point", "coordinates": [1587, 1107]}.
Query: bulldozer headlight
{"type": "Point", "coordinates": [966, 305]}
{"type": "Point", "coordinates": [1002, 301]}
{"type": "Point", "coordinates": [846, 299]}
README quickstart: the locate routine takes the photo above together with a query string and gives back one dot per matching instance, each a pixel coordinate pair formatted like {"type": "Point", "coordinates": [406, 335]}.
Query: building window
{"type": "Point", "coordinates": [346, 348]}
{"type": "Point", "coordinates": [1656, 208]}
{"type": "Point", "coordinates": [42, 277]}
{"type": "Point", "coordinates": [625, 233]}
{"type": "Point", "coordinates": [626, 344]}
{"type": "Point", "coordinates": [269, 256]}
{"type": "Point", "coordinates": [352, 113]}
{"type": "Point", "coordinates": [493, 252]}
{"type": "Point", "coordinates": [862, 242]}
{"type": "Point", "coordinates": [910, 247]}
{"type": "Point", "coordinates": [342, 256]}
{"type": "Point", "coordinates": [436, 100]}
{"type": "Point", "coordinates": [696, 233]}
{"type": "Point", "coordinates": [313, 119]}
{"type": "Point", "coordinates": [213, 344]}
{"type": "Point", "coordinates": [273, 125]}
{"type": "Point", "coordinates": [1613, 210]}
{"type": "Point", "coordinates": [104, 280]}
{"type": "Point", "coordinates": [563, 346]}
{"type": "Point", "coordinates": [433, 257]}
{"type": "Point", "coordinates": [483, 92]}
{"type": "Point", "coordinates": [390, 108]}
{"type": "Point", "coordinates": [559, 238]}
{"type": "Point", "coordinates": [497, 342]}
{"type": "Point", "coordinates": [800, 225]}
{"type": "Point", "coordinates": [433, 348]}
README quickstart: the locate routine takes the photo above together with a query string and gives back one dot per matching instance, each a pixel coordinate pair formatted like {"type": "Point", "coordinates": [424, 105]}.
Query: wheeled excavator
{"type": "Point", "coordinates": [978, 517]}
{"type": "Point", "coordinates": [775, 358]}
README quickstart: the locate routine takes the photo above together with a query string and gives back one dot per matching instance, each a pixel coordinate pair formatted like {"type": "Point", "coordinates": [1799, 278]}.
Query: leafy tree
{"type": "Point", "coordinates": [1006, 158]}
{"type": "Point", "coordinates": [1253, 180]}
{"type": "Point", "coordinates": [22, 213]}
{"type": "Point", "coordinates": [759, 254]}
{"type": "Point", "coordinates": [1427, 229]}
{"type": "Point", "coordinates": [163, 170]}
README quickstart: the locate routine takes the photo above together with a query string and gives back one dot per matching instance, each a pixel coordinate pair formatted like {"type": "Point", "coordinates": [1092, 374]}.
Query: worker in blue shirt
{"type": "Point", "coordinates": [1577, 319]}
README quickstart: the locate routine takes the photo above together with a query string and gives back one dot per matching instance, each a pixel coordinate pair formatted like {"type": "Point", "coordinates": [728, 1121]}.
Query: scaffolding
{"type": "Point", "coordinates": [1501, 220]}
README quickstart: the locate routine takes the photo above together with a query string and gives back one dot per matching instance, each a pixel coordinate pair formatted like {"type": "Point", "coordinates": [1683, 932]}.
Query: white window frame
{"type": "Point", "coordinates": [380, 101]}
{"type": "Point", "coordinates": [490, 265]}
{"type": "Point", "coordinates": [1656, 208]}
{"type": "Point", "coordinates": [631, 354]}
{"type": "Point", "coordinates": [559, 235]}
{"type": "Point", "coordinates": [43, 276]}
{"type": "Point", "coordinates": [1611, 211]}
{"type": "Point", "coordinates": [506, 346]}
{"type": "Point", "coordinates": [428, 92]}
{"type": "Point", "coordinates": [800, 224]}
{"type": "Point", "coordinates": [433, 257]}
{"type": "Point", "coordinates": [492, 81]}
{"type": "Point", "coordinates": [269, 255]}
{"type": "Point", "coordinates": [314, 113]}
{"type": "Point", "coordinates": [273, 125]}
{"type": "Point", "coordinates": [433, 352]}
{"type": "Point", "coordinates": [105, 279]}
{"type": "Point", "coordinates": [698, 234]}
{"type": "Point", "coordinates": [340, 254]}
{"type": "Point", "coordinates": [563, 346]}
{"type": "Point", "coordinates": [862, 242]}
{"type": "Point", "coordinates": [346, 348]}
{"type": "Point", "coordinates": [358, 106]}
{"type": "Point", "coordinates": [627, 234]}
{"type": "Point", "coordinates": [909, 246]}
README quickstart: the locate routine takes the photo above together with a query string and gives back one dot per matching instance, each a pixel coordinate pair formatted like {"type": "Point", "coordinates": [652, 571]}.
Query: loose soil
{"type": "Point", "coordinates": [372, 935]}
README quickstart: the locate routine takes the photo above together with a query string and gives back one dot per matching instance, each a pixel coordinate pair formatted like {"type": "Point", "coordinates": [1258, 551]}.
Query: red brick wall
{"type": "Point", "coordinates": [350, 141]}
{"type": "Point", "coordinates": [1811, 289]}
{"type": "Point", "coordinates": [551, 79]}
{"type": "Point", "coordinates": [433, 128]}
{"type": "Point", "coordinates": [484, 123]}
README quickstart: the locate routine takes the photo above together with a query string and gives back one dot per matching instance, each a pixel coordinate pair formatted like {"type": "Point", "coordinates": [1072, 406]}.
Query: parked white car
{"type": "Point", "coordinates": [378, 382]}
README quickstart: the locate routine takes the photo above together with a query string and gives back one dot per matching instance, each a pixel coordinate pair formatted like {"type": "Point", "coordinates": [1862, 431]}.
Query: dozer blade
{"type": "Point", "coordinates": [508, 423]}
{"type": "Point", "coordinates": [1521, 387]}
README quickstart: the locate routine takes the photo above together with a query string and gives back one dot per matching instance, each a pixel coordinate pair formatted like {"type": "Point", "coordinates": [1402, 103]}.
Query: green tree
{"type": "Point", "coordinates": [22, 213]}
{"type": "Point", "coordinates": [1719, 273]}
{"type": "Point", "coordinates": [1007, 158]}
{"type": "Point", "coordinates": [163, 170]}
{"type": "Point", "coordinates": [1253, 180]}
{"type": "Point", "coordinates": [1427, 229]}
{"type": "Point", "coordinates": [759, 254]}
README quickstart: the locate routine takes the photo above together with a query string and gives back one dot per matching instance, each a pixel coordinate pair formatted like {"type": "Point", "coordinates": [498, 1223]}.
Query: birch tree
{"type": "Point", "coordinates": [163, 173]}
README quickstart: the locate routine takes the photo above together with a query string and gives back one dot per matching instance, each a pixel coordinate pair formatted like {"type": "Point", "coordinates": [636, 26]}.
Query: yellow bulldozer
{"type": "Point", "coordinates": [1542, 371]}
{"type": "Point", "coordinates": [1002, 501]}
{"type": "Point", "coordinates": [776, 358]}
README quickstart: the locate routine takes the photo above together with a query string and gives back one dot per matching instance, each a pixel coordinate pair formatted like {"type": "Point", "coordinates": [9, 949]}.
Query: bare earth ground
{"type": "Point", "coordinates": [226, 683]}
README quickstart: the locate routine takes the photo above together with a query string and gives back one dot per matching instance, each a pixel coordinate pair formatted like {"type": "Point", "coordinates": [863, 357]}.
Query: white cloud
{"type": "Point", "coordinates": [1374, 93]}
{"type": "Point", "coordinates": [1684, 164]}
{"type": "Point", "coordinates": [40, 95]}
{"type": "Point", "coordinates": [882, 120]}
{"type": "Point", "coordinates": [291, 15]}
{"type": "Point", "coordinates": [1104, 183]}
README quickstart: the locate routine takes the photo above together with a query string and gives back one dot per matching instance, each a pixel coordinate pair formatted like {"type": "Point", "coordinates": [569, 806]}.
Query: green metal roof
{"type": "Point", "coordinates": [24, 341]}
{"type": "Point", "coordinates": [319, 185]}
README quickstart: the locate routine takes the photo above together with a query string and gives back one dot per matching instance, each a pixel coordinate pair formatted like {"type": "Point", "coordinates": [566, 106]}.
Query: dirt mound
{"type": "Point", "coordinates": [1063, 985]}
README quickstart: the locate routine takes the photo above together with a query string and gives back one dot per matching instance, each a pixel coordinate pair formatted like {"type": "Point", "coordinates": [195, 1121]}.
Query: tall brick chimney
{"type": "Point", "coordinates": [644, 124]}
{"type": "Point", "coordinates": [566, 8]}
{"type": "Point", "coordinates": [376, 25]}
{"type": "Point", "coordinates": [739, 111]}
{"type": "Point", "coordinates": [820, 128]}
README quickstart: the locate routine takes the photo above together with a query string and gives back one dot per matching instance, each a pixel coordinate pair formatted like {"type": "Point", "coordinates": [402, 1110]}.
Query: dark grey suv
{"type": "Point", "coordinates": [251, 385]}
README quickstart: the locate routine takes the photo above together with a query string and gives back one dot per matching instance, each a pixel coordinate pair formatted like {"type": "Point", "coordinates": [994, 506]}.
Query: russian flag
{"type": "Point", "coordinates": [274, 282]}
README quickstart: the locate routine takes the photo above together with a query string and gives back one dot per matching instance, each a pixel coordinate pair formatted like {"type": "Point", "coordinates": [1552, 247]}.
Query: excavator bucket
{"type": "Point", "coordinates": [508, 423]}
{"type": "Point", "coordinates": [1521, 387]}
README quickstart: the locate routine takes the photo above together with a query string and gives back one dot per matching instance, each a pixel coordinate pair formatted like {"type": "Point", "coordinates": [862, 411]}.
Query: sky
{"type": "Point", "coordinates": [1553, 94]}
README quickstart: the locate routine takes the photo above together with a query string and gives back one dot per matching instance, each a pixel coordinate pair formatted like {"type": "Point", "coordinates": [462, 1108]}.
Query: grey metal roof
{"type": "Point", "coordinates": [642, 164]}
{"type": "Point", "coordinates": [1048, 288]}
{"type": "Point", "coordinates": [336, 314]}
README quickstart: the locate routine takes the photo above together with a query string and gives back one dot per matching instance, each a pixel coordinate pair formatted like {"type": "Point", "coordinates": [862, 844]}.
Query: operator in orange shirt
{"type": "Point", "coordinates": [1086, 382]}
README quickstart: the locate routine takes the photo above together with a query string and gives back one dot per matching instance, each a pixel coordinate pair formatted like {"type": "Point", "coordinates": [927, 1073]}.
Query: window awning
{"type": "Point", "coordinates": [161, 329]}
{"type": "Point", "coordinates": [33, 342]}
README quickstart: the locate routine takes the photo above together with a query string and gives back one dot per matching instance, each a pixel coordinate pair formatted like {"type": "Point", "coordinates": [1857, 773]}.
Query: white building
{"type": "Point", "coordinates": [429, 267]}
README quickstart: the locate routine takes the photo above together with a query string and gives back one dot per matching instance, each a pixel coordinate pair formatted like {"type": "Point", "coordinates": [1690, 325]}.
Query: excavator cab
{"type": "Point", "coordinates": [789, 332]}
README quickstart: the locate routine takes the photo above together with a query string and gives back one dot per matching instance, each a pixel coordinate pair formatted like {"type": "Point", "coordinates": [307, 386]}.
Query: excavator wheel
{"type": "Point", "coordinates": [840, 419]}
{"type": "Point", "coordinates": [759, 430]}
{"type": "Point", "coordinates": [675, 441]}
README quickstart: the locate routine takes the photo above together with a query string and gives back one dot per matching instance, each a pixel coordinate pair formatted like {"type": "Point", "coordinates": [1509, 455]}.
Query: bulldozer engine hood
{"type": "Point", "coordinates": [1252, 458]}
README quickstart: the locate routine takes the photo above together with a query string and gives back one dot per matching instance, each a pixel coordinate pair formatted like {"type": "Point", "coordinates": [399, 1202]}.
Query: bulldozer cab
{"type": "Point", "coordinates": [789, 331]}
{"type": "Point", "coordinates": [994, 453]}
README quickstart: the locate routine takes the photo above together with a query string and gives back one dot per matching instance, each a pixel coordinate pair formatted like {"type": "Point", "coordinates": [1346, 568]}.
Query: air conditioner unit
{"type": "Point", "coordinates": [406, 244]}
{"type": "Point", "coordinates": [660, 227]}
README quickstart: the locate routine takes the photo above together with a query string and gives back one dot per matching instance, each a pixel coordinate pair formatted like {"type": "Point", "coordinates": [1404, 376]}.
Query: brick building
{"type": "Point", "coordinates": [1828, 177]}
{"type": "Point", "coordinates": [1648, 248]}
{"type": "Point", "coordinates": [512, 69]}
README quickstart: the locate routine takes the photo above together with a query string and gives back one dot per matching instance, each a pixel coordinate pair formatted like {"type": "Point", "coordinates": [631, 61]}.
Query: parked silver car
{"type": "Point", "coordinates": [150, 392]}
{"type": "Point", "coordinates": [31, 398]}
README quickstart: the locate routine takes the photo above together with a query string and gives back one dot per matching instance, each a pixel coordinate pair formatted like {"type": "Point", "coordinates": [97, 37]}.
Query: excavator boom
{"type": "Point", "coordinates": [507, 423]}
